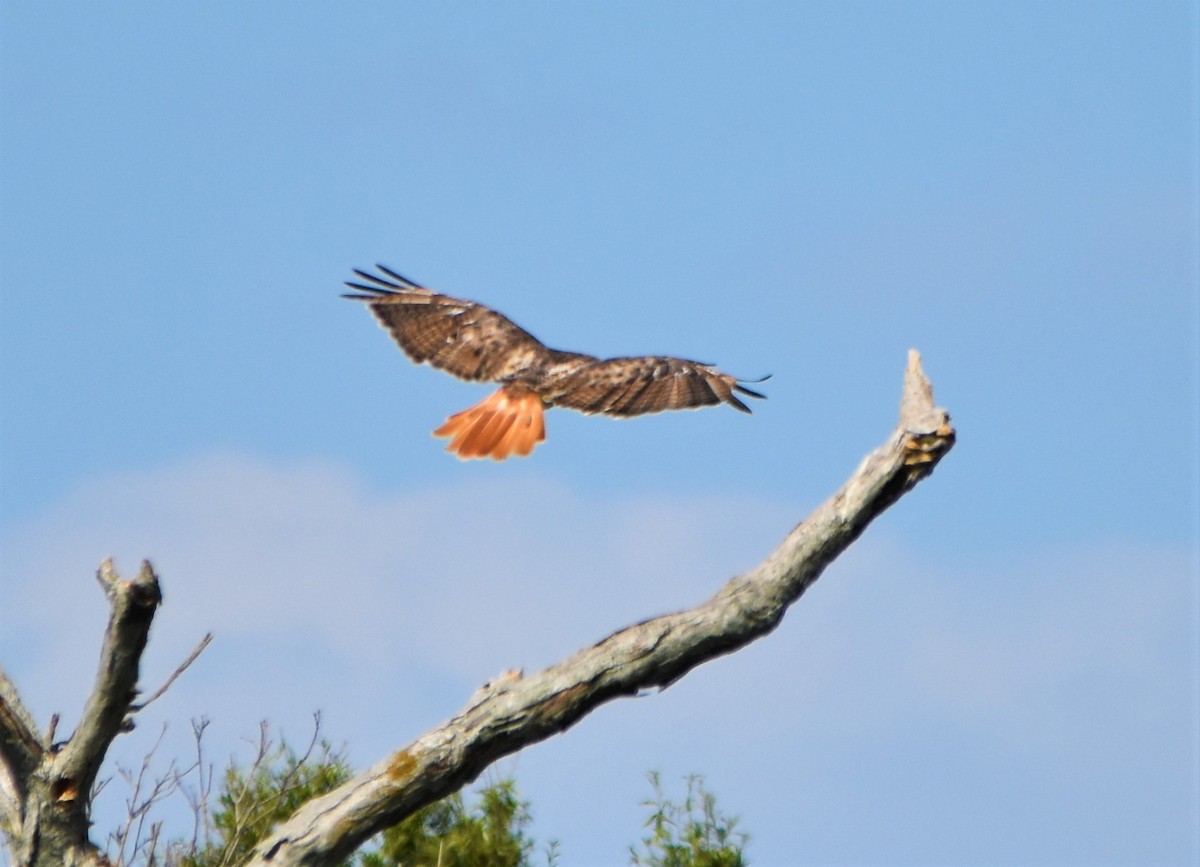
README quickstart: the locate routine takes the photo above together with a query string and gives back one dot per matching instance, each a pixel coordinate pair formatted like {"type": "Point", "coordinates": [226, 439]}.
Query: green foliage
{"type": "Point", "coordinates": [255, 800]}
{"type": "Point", "coordinates": [448, 834]}
{"type": "Point", "coordinates": [489, 832]}
{"type": "Point", "coordinates": [692, 834]}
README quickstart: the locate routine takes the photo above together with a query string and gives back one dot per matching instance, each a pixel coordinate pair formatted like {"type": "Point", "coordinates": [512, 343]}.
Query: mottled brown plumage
{"type": "Point", "coordinates": [476, 343]}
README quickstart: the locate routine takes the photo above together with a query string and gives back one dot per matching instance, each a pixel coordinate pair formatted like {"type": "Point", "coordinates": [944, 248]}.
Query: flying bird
{"type": "Point", "coordinates": [476, 343]}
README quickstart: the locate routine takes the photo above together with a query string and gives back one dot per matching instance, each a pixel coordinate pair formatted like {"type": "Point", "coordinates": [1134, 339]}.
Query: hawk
{"type": "Point", "coordinates": [476, 343]}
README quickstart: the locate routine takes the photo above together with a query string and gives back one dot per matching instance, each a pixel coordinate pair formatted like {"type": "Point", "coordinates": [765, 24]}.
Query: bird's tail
{"type": "Point", "coordinates": [509, 422]}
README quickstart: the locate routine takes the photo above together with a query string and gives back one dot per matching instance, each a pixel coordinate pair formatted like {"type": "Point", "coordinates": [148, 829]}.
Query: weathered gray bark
{"type": "Point", "coordinates": [44, 787]}
{"type": "Point", "coordinates": [514, 711]}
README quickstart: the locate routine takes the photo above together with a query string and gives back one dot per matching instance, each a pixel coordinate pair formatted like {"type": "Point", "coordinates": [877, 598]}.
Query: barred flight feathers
{"type": "Point", "coordinates": [476, 343]}
{"type": "Point", "coordinates": [463, 338]}
{"type": "Point", "coordinates": [635, 386]}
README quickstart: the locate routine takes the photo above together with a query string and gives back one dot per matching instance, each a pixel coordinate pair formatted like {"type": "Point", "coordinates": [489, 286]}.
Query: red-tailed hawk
{"type": "Point", "coordinates": [476, 343]}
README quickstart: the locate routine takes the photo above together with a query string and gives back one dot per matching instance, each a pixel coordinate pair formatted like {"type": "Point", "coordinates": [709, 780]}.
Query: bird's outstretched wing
{"type": "Point", "coordinates": [639, 385]}
{"type": "Point", "coordinates": [460, 337]}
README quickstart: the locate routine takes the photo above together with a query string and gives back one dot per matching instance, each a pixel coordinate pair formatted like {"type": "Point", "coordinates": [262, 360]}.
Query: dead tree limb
{"type": "Point", "coordinates": [45, 787]}
{"type": "Point", "coordinates": [512, 711]}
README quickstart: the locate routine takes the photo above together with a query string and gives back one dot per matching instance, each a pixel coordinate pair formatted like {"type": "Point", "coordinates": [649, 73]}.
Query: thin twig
{"type": "Point", "coordinates": [145, 794]}
{"type": "Point", "coordinates": [204, 642]}
{"type": "Point", "coordinates": [198, 800]}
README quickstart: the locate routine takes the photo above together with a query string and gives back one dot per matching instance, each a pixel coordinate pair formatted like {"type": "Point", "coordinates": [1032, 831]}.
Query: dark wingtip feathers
{"type": "Point", "coordinates": [402, 280]}
{"type": "Point", "coordinates": [377, 287]}
{"type": "Point", "coordinates": [733, 401]}
{"type": "Point", "coordinates": [749, 391]}
{"type": "Point", "coordinates": [374, 294]}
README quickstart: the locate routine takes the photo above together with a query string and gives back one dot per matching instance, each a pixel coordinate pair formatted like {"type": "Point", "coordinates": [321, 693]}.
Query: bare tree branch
{"type": "Point", "coordinates": [183, 666]}
{"type": "Point", "coordinates": [20, 745]}
{"type": "Point", "coordinates": [131, 840]}
{"type": "Point", "coordinates": [133, 605]}
{"type": "Point", "coordinates": [21, 752]}
{"type": "Point", "coordinates": [198, 798]}
{"type": "Point", "coordinates": [513, 712]}
{"type": "Point", "coordinates": [46, 791]}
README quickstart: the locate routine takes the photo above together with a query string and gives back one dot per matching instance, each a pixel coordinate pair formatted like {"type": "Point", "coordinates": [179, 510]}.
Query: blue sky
{"type": "Point", "coordinates": [1003, 670]}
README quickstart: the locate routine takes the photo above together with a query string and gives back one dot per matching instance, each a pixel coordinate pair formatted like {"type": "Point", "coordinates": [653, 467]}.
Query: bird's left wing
{"type": "Point", "coordinates": [463, 338]}
{"type": "Point", "coordinates": [643, 384]}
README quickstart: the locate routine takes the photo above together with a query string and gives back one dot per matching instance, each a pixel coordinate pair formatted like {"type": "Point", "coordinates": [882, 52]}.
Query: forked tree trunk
{"type": "Point", "coordinates": [45, 787]}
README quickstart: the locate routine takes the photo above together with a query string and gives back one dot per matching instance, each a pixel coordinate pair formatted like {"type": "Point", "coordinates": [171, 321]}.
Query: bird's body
{"type": "Point", "coordinates": [476, 343]}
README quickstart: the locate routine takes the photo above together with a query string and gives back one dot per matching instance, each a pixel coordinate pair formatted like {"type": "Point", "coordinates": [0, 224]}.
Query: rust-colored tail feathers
{"type": "Point", "coordinates": [509, 422]}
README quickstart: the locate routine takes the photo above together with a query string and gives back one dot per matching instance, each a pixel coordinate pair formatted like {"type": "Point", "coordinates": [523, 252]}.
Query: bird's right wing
{"type": "Point", "coordinates": [463, 338]}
